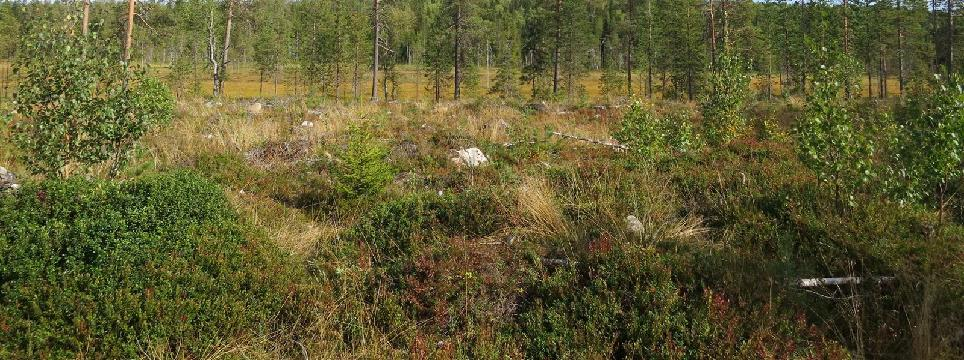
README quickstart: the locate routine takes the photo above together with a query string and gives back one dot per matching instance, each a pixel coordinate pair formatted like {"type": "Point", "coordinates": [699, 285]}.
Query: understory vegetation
{"type": "Point", "coordinates": [530, 256]}
{"type": "Point", "coordinates": [822, 226]}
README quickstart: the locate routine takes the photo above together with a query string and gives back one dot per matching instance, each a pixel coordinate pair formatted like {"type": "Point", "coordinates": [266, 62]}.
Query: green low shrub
{"type": "Point", "coordinates": [625, 303]}
{"type": "Point", "coordinates": [111, 270]}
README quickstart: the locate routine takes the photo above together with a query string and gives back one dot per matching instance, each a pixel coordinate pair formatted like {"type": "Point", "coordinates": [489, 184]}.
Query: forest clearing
{"type": "Point", "coordinates": [463, 179]}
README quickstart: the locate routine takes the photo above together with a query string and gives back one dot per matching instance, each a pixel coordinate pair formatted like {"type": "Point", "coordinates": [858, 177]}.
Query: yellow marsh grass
{"type": "Point", "coordinates": [539, 209]}
{"type": "Point", "coordinates": [244, 82]}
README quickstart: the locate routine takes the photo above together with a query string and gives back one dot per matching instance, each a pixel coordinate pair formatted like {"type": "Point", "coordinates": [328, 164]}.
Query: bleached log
{"type": "Point", "coordinates": [592, 141]}
{"type": "Point", "coordinates": [850, 280]}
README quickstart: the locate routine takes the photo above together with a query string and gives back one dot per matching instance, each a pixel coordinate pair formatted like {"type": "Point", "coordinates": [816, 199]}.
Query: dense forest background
{"type": "Point", "coordinates": [539, 49]}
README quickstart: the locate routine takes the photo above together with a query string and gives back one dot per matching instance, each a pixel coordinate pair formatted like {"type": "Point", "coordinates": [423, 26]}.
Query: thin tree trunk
{"type": "Point", "coordinates": [215, 65]}
{"type": "Point", "coordinates": [769, 76]}
{"type": "Point", "coordinates": [846, 27]}
{"type": "Point", "coordinates": [227, 45]}
{"type": "Point", "coordinates": [726, 23]}
{"type": "Point", "coordinates": [846, 42]}
{"type": "Point", "coordinates": [936, 61]}
{"type": "Point", "coordinates": [712, 33]}
{"type": "Point", "coordinates": [882, 76]}
{"type": "Point", "coordinates": [950, 36]}
{"type": "Point", "coordinates": [375, 27]}
{"type": "Point", "coordinates": [86, 21]}
{"type": "Point", "coordinates": [555, 51]}
{"type": "Point", "coordinates": [900, 47]}
{"type": "Point", "coordinates": [650, 53]}
{"type": "Point", "coordinates": [129, 36]}
{"type": "Point", "coordinates": [355, 76]}
{"type": "Point", "coordinates": [629, 47]}
{"type": "Point", "coordinates": [458, 50]}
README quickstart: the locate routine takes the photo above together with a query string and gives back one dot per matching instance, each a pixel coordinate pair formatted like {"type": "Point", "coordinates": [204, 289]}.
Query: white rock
{"type": "Point", "coordinates": [472, 157]}
{"type": "Point", "coordinates": [633, 224]}
{"type": "Point", "coordinates": [307, 123]}
{"type": "Point", "coordinates": [209, 136]}
{"type": "Point", "coordinates": [255, 108]}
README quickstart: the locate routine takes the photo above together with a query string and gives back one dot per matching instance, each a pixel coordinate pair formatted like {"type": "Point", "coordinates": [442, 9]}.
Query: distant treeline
{"type": "Point", "coordinates": [638, 45]}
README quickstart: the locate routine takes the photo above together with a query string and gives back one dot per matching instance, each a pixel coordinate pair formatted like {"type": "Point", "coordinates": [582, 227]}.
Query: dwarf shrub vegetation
{"type": "Point", "coordinates": [111, 270]}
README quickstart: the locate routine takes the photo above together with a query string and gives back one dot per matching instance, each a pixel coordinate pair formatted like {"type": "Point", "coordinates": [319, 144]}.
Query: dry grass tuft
{"type": "Point", "coordinates": [539, 209]}
{"type": "Point", "coordinates": [290, 229]}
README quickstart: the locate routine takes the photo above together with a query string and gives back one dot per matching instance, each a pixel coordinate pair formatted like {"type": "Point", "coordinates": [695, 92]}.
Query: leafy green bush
{"type": "Point", "coordinates": [364, 169]}
{"type": "Point", "coordinates": [930, 149]}
{"type": "Point", "coordinates": [829, 140]}
{"type": "Point", "coordinates": [724, 106]}
{"type": "Point", "coordinates": [111, 270]}
{"type": "Point", "coordinates": [653, 137]}
{"type": "Point", "coordinates": [76, 104]}
{"type": "Point", "coordinates": [642, 131]}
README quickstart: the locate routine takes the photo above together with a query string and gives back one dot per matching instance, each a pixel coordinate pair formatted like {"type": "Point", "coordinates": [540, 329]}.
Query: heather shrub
{"type": "Point", "coordinates": [110, 270]}
{"type": "Point", "coordinates": [625, 303]}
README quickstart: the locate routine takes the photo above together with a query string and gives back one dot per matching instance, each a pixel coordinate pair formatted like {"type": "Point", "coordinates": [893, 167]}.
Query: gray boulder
{"type": "Point", "coordinates": [8, 181]}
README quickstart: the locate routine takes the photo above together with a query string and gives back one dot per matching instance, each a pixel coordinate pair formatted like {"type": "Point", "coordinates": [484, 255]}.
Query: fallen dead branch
{"type": "Point", "coordinates": [850, 280]}
{"type": "Point", "coordinates": [616, 146]}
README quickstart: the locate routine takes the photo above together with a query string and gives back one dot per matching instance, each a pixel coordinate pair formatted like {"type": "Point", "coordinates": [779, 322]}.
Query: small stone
{"type": "Point", "coordinates": [633, 224]}
{"type": "Point", "coordinates": [307, 124]}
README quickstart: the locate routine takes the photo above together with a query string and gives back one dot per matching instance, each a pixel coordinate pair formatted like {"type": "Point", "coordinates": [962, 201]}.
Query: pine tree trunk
{"type": "Point", "coordinates": [555, 51]}
{"type": "Point", "coordinates": [900, 47]}
{"type": "Point", "coordinates": [629, 46]}
{"type": "Point", "coordinates": [936, 63]}
{"type": "Point", "coordinates": [458, 51]}
{"type": "Point", "coordinates": [712, 25]}
{"type": "Point", "coordinates": [882, 76]}
{"type": "Point", "coordinates": [375, 29]}
{"type": "Point", "coordinates": [726, 23]}
{"type": "Point", "coordinates": [650, 53]}
{"type": "Point", "coordinates": [950, 36]}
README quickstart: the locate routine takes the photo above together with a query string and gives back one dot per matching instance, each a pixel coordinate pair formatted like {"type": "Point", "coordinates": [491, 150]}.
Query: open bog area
{"type": "Point", "coordinates": [564, 180]}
